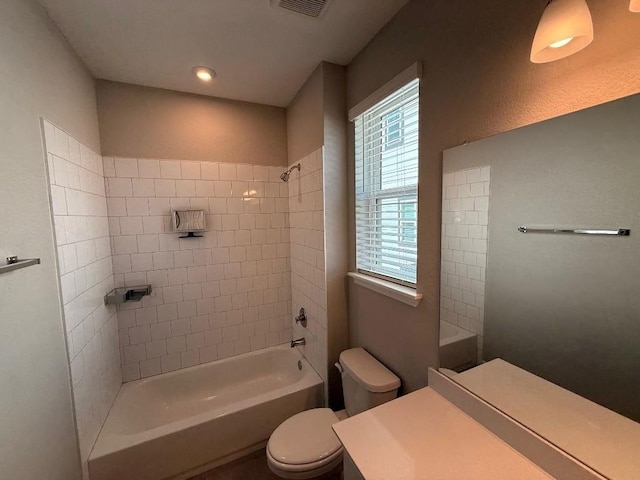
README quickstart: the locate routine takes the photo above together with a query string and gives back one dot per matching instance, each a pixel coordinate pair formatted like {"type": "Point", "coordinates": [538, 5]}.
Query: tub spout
{"type": "Point", "coordinates": [298, 342]}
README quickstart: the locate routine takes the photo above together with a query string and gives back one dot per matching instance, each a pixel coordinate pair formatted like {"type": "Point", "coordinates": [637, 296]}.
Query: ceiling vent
{"type": "Point", "coordinates": [308, 8]}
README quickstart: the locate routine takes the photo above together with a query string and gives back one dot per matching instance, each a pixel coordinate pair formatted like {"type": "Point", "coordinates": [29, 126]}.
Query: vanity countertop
{"type": "Point", "coordinates": [423, 436]}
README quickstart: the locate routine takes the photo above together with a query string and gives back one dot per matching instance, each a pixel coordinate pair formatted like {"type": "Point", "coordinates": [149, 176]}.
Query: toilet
{"type": "Point", "coordinates": [304, 446]}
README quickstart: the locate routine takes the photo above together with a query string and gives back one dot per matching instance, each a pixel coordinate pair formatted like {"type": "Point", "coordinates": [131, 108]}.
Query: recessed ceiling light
{"type": "Point", "coordinates": [204, 73]}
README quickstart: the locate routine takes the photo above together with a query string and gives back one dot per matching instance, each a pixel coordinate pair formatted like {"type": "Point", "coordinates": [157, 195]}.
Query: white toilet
{"type": "Point", "coordinates": [304, 446]}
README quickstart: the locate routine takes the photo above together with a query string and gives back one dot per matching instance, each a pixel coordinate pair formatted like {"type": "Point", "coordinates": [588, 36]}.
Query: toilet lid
{"type": "Point", "coordinates": [305, 438]}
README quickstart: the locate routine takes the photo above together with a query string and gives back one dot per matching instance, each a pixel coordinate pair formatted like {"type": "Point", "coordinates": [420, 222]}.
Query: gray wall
{"type": "Point", "coordinates": [478, 81]}
{"type": "Point", "coordinates": [305, 119]}
{"type": "Point", "coordinates": [143, 122]}
{"type": "Point", "coordinates": [566, 307]}
{"type": "Point", "coordinates": [40, 76]}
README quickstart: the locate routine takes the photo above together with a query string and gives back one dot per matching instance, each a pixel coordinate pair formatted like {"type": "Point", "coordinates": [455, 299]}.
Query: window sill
{"type": "Point", "coordinates": [400, 293]}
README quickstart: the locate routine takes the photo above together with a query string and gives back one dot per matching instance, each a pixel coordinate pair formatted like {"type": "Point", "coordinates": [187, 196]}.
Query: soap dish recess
{"type": "Point", "coordinates": [126, 294]}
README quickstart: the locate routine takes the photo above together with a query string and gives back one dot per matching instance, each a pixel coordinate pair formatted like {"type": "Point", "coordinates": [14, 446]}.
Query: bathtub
{"type": "Point", "coordinates": [181, 423]}
{"type": "Point", "coordinates": [458, 347]}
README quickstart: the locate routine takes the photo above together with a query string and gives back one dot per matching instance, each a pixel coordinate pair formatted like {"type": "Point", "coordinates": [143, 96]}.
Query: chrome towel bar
{"type": "Point", "coordinates": [620, 232]}
{"type": "Point", "coordinates": [13, 263]}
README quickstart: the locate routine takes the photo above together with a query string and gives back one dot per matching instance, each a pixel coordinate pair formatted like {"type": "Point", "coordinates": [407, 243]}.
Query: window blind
{"type": "Point", "coordinates": [386, 154]}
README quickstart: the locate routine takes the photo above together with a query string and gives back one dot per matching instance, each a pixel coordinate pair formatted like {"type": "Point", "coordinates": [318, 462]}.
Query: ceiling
{"type": "Point", "coordinates": [261, 53]}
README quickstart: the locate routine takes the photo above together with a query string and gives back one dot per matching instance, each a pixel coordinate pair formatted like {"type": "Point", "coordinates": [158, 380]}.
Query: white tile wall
{"type": "Point", "coordinates": [84, 265]}
{"type": "Point", "coordinates": [465, 220]}
{"type": "Point", "coordinates": [308, 283]}
{"type": "Point", "coordinates": [222, 295]}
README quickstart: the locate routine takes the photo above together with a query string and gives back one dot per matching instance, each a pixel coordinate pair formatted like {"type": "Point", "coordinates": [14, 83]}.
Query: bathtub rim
{"type": "Point", "coordinates": [461, 335]}
{"type": "Point", "coordinates": [111, 442]}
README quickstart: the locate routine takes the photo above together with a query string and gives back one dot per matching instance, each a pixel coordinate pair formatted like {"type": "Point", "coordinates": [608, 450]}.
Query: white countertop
{"type": "Point", "coordinates": [423, 436]}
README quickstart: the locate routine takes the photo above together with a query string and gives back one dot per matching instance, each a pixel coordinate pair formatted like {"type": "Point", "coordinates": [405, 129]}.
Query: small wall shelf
{"type": "Point", "coordinates": [14, 264]}
{"type": "Point", "coordinates": [126, 294]}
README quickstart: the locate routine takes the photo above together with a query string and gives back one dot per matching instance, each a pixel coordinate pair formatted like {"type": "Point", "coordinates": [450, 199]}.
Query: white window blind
{"type": "Point", "coordinates": [386, 154]}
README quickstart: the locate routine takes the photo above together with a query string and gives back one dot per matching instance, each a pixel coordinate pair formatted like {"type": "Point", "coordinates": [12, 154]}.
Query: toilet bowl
{"type": "Point", "coordinates": [304, 446]}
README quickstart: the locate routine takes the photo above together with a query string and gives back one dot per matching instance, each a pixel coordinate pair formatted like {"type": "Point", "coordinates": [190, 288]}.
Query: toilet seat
{"type": "Point", "coordinates": [304, 446]}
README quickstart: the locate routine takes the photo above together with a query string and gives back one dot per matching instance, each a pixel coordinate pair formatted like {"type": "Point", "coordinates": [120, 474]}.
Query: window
{"type": "Point", "coordinates": [393, 126]}
{"type": "Point", "coordinates": [386, 157]}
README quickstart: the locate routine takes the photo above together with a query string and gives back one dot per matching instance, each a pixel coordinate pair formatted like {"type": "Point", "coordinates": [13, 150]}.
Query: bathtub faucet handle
{"type": "Point", "coordinates": [302, 318]}
{"type": "Point", "coordinates": [298, 342]}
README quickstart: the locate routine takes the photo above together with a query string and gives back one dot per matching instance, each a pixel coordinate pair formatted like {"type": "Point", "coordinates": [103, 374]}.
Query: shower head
{"type": "Point", "coordinates": [285, 175]}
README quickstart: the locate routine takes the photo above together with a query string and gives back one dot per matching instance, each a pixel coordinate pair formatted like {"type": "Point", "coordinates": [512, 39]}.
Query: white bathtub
{"type": "Point", "coordinates": [183, 422]}
{"type": "Point", "coordinates": [458, 347]}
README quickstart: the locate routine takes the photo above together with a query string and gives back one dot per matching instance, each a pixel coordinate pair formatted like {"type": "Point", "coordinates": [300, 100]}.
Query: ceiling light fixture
{"type": "Point", "coordinates": [564, 29]}
{"type": "Point", "coordinates": [204, 73]}
{"type": "Point", "coordinates": [634, 6]}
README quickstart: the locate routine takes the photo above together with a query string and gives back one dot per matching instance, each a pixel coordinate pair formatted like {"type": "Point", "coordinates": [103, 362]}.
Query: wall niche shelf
{"type": "Point", "coordinates": [126, 294]}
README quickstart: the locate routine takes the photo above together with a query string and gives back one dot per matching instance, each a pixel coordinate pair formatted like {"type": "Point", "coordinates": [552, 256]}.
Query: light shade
{"type": "Point", "coordinates": [634, 6]}
{"type": "Point", "coordinates": [564, 29]}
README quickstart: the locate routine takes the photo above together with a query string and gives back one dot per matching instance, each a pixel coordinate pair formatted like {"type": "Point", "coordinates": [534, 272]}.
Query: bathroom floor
{"type": "Point", "coordinates": [250, 467]}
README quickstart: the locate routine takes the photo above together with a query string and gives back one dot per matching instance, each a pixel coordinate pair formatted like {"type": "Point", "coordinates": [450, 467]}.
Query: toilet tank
{"type": "Point", "coordinates": [366, 382]}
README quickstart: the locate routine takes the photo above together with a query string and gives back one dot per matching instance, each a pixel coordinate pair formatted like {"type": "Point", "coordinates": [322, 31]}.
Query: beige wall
{"type": "Point", "coordinates": [40, 76]}
{"type": "Point", "coordinates": [336, 221]}
{"type": "Point", "coordinates": [142, 122]}
{"type": "Point", "coordinates": [316, 118]}
{"type": "Point", "coordinates": [305, 123]}
{"type": "Point", "coordinates": [478, 81]}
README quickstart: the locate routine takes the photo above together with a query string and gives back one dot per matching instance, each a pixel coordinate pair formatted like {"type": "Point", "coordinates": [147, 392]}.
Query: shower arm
{"type": "Point", "coordinates": [293, 167]}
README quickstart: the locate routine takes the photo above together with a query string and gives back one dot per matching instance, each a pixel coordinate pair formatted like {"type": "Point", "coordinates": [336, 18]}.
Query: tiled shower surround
{"type": "Point", "coordinates": [306, 206]}
{"type": "Point", "coordinates": [224, 294]}
{"type": "Point", "coordinates": [84, 262]}
{"type": "Point", "coordinates": [465, 220]}
{"type": "Point", "coordinates": [221, 295]}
